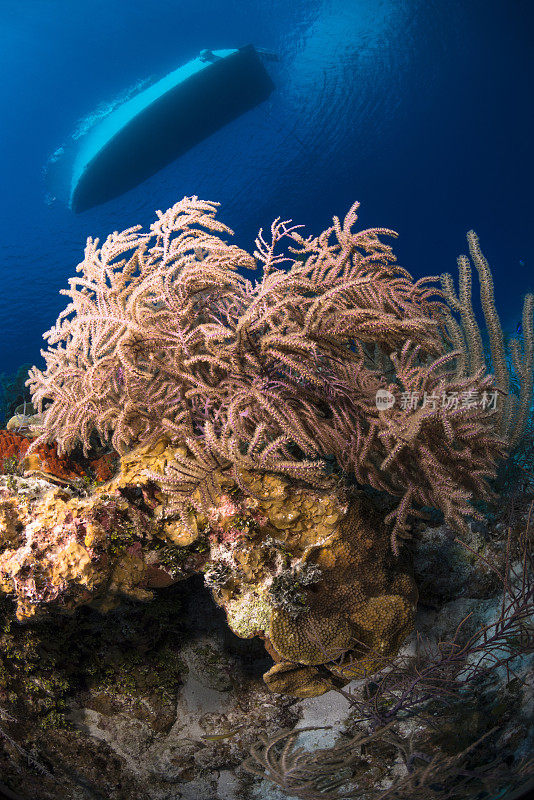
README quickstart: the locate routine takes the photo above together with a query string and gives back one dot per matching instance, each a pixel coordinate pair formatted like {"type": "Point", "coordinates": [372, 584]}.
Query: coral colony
{"type": "Point", "coordinates": [279, 437]}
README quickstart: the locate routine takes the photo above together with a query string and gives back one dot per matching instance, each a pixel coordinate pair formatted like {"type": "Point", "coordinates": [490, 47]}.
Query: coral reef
{"type": "Point", "coordinates": [278, 439]}
{"type": "Point", "coordinates": [149, 700]}
{"type": "Point", "coordinates": [68, 550]}
{"type": "Point", "coordinates": [163, 336]}
{"type": "Point", "coordinates": [159, 699]}
{"type": "Point", "coordinates": [250, 409]}
{"type": "Point", "coordinates": [309, 570]}
{"type": "Point", "coordinates": [441, 713]}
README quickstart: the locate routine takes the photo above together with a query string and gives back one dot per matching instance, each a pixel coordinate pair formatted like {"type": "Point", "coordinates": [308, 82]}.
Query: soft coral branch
{"type": "Point", "coordinates": [164, 337]}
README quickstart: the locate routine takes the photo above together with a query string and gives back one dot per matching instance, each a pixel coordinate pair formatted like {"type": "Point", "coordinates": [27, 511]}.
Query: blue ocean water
{"type": "Point", "coordinates": [420, 109]}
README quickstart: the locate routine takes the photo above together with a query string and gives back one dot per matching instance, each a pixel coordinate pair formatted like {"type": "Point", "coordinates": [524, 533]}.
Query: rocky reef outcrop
{"type": "Point", "coordinates": [309, 570]}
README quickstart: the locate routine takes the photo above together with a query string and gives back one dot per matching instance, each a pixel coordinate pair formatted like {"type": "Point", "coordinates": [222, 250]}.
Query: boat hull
{"type": "Point", "coordinates": [161, 124]}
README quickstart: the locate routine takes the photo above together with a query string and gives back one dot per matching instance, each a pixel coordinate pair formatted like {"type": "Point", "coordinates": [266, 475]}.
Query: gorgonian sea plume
{"type": "Point", "coordinates": [163, 336]}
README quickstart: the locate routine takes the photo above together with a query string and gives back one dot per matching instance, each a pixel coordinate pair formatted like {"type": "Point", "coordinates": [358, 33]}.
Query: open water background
{"type": "Point", "coordinates": [420, 109]}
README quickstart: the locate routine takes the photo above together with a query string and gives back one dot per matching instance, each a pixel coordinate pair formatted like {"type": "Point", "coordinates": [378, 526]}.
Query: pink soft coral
{"type": "Point", "coordinates": [164, 337]}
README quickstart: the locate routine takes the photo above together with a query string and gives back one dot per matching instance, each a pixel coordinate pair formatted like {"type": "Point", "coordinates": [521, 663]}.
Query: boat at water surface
{"type": "Point", "coordinates": [157, 125]}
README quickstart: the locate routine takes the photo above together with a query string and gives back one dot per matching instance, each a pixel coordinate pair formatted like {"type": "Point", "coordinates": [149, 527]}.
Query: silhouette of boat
{"type": "Point", "coordinates": [155, 126]}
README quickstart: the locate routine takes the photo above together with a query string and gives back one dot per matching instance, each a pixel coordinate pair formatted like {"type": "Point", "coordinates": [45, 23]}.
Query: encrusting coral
{"type": "Point", "coordinates": [256, 423]}
{"type": "Point", "coordinates": [326, 549]}
{"type": "Point", "coordinates": [67, 551]}
{"type": "Point", "coordinates": [43, 461]}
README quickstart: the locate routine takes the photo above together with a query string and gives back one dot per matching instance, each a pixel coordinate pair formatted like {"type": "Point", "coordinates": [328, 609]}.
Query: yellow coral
{"type": "Point", "coordinates": [51, 562]}
{"type": "Point", "coordinates": [296, 680]}
{"type": "Point", "coordinates": [355, 611]}
{"type": "Point", "coordinates": [311, 638]}
{"type": "Point", "coordinates": [129, 572]}
{"type": "Point", "coordinates": [72, 563]}
{"type": "Point", "coordinates": [180, 534]}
